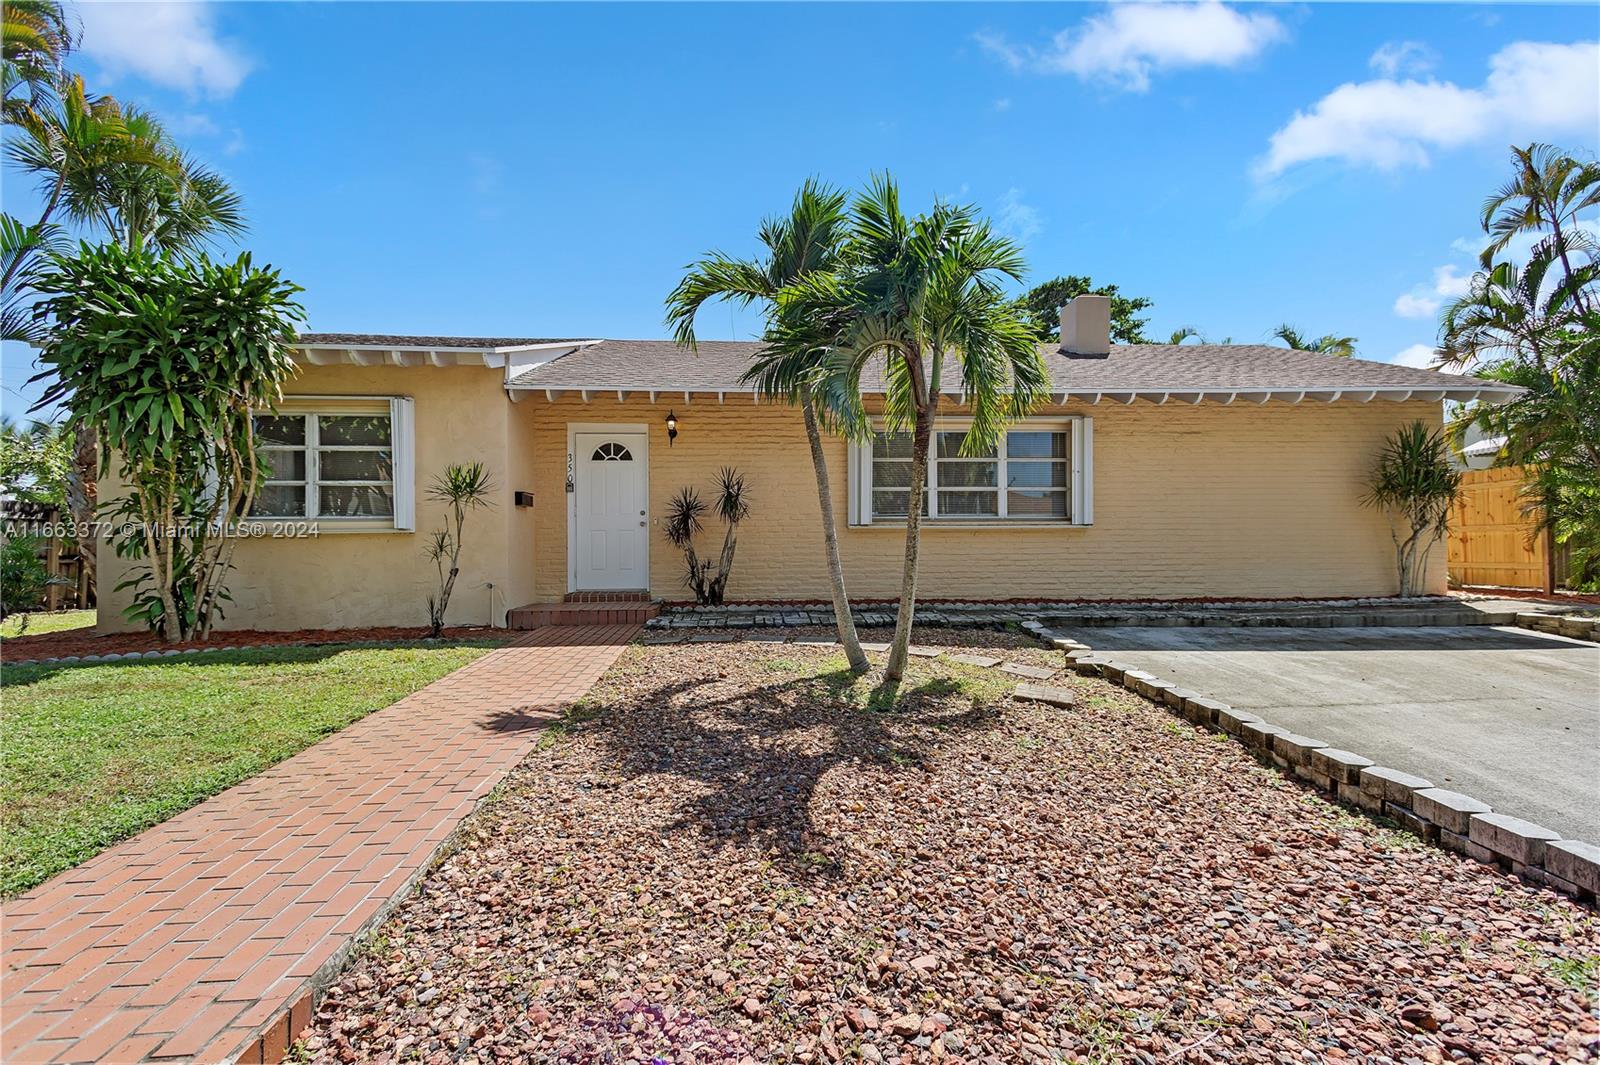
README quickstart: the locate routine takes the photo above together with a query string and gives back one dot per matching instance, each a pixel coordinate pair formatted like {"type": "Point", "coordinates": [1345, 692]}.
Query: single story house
{"type": "Point", "coordinates": [1153, 471]}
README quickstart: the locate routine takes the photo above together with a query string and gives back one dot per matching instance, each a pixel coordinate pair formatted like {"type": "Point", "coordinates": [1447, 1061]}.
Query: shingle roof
{"type": "Point", "coordinates": [663, 366]}
{"type": "Point", "coordinates": [400, 340]}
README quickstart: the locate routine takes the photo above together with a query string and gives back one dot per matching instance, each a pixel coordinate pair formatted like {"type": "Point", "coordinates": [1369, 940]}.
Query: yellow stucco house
{"type": "Point", "coordinates": [1154, 471]}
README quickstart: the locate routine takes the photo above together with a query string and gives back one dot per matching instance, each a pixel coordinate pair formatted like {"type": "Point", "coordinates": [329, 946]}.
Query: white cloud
{"type": "Point", "coordinates": [1416, 355]}
{"type": "Point", "coordinates": [1130, 41]}
{"type": "Point", "coordinates": [172, 44]}
{"type": "Point", "coordinates": [1424, 301]}
{"type": "Point", "coordinates": [1018, 219]}
{"type": "Point", "coordinates": [1403, 57]}
{"type": "Point", "coordinates": [1003, 104]}
{"type": "Point", "coordinates": [1532, 89]}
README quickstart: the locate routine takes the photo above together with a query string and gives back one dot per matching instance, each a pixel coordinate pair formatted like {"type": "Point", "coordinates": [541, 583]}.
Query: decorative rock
{"type": "Point", "coordinates": [1391, 785]}
{"type": "Point", "coordinates": [1575, 862]}
{"type": "Point", "coordinates": [1294, 748]}
{"type": "Point", "coordinates": [1341, 767]}
{"type": "Point", "coordinates": [1040, 693]}
{"type": "Point", "coordinates": [1511, 837]}
{"type": "Point", "coordinates": [1448, 809]}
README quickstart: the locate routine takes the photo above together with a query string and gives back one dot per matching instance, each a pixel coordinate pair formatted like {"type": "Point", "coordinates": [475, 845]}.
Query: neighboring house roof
{"type": "Point", "coordinates": [405, 341]}
{"type": "Point", "coordinates": [404, 349]}
{"type": "Point", "coordinates": [1149, 371]}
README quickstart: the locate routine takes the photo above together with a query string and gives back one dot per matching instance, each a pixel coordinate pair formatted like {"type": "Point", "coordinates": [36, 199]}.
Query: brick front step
{"type": "Point", "coordinates": [606, 597]}
{"type": "Point", "coordinates": [607, 612]}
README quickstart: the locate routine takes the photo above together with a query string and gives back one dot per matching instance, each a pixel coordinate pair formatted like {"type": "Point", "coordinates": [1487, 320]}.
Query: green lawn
{"type": "Point", "coordinates": [42, 622]}
{"type": "Point", "coordinates": [92, 754]}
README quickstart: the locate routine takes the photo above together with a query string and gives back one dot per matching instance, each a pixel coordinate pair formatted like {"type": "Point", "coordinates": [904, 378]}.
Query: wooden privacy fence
{"type": "Point", "coordinates": [1491, 540]}
{"type": "Point", "coordinates": [69, 581]}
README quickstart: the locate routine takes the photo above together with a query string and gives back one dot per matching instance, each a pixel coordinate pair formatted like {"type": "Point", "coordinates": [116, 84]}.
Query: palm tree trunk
{"type": "Point", "coordinates": [922, 437]}
{"type": "Point", "coordinates": [842, 617]}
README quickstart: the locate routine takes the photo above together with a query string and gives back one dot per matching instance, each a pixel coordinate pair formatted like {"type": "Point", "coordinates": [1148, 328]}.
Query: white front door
{"type": "Point", "coordinates": [611, 525]}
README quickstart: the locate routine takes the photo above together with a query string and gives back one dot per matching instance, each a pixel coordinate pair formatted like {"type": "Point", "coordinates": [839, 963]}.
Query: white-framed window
{"type": "Point", "coordinates": [339, 460]}
{"type": "Point", "coordinates": [1037, 473]}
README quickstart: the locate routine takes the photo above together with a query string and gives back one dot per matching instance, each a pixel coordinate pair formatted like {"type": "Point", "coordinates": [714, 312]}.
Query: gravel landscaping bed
{"type": "Point", "coordinates": [730, 852]}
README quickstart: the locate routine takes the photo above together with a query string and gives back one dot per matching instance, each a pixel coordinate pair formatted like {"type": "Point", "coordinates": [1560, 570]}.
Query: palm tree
{"type": "Point", "coordinates": [23, 249]}
{"type": "Point", "coordinates": [1327, 344]}
{"type": "Point", "coordinates": [1549, 190]}
{"type": "Point", "coordinates": [921, 297]}
{"type": "Point", "coordinates": [805, 242]}
{"type": "Point", "coordinates": [1508, 312]}
{"type": "Point", "coordinates": [1184, 332]}
{"type": "Point", "coordinates": [105, 167]}
{"type": "Point", "coordinates": [36, 39]}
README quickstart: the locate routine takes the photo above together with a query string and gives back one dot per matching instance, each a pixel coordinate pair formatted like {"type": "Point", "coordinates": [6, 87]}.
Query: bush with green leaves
{"type": "Point", "coordinates": [23, 575]}
{"type": "Point", "coordinates": [167, 360]}
{"type": "Point", "coordinates": [1416, 484]}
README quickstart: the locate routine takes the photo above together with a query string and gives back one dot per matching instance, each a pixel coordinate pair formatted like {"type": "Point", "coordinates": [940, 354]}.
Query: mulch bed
{"type": "Point", "coordinates": [715, 859]}
{"type": "Point", "coordinates": [83, 642]}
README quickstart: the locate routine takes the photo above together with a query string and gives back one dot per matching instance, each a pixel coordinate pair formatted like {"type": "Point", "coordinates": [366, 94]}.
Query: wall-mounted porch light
{"type": "Point", "coordinates": [672, 427]}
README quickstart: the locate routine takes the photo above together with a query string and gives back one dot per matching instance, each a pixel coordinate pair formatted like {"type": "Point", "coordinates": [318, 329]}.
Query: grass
{"type": "Point", "coordinates": [96, 753]}
{"type": "Point", "coordinates": [40, 622]}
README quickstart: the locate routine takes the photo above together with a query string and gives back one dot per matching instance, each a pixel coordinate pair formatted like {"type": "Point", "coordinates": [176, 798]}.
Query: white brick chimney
{"type": "Point", "coordinates": [1086, 326]}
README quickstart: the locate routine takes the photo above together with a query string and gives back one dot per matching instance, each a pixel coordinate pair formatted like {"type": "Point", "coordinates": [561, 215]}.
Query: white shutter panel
{"type": "Point", "coordinates": [403, 437]}
{"type": "Point", "coordinates": [1083, 473]}
{"type": "Point", "coordinates": [855, 471]}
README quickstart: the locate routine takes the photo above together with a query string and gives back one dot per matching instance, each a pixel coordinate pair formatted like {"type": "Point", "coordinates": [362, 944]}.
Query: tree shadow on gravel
{"type": "Point", "coordinates": [759, 753]}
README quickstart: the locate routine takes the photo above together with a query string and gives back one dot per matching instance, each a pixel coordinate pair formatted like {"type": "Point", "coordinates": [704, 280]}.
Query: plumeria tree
{"type": "Point", "coordinates": [166, 361]}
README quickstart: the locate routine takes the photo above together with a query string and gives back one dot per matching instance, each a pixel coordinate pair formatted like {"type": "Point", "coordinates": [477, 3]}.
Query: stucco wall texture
{"type": "Point", "coordinates": [1189, 501]}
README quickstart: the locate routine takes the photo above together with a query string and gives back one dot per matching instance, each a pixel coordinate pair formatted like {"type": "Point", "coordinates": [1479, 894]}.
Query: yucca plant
{"type": "Point", "coordinates": [684, 514]}
{"type": "Point", "coordinates": [1415, 483]}
{"type": "Point", "coordinates": [461, 488]}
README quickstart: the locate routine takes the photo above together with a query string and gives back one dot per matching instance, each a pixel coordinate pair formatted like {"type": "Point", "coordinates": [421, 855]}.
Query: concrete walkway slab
{"type": "Point", "coordinates": [1505, 715]}
{"type": "Point", "coordinates": [195, 938]}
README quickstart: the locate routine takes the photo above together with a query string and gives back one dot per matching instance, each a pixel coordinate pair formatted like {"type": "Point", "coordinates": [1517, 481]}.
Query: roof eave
{"type": "Point", "coordinates": [1188, 396]}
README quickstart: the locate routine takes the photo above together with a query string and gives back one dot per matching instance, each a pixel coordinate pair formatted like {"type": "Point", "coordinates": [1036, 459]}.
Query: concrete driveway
{"type": "Point", "coordinates": [1505, 715]}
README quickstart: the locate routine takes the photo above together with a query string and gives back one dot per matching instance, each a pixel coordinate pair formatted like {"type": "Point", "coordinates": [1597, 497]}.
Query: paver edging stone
{"type": "Point", "coordinates": [1454, 821]}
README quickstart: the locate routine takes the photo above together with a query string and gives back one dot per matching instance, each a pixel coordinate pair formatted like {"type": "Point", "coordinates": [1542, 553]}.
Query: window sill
{"type": "Point", "coordinates": [980, 524]}
{"type": "Point", "coordinates": [300, 528]}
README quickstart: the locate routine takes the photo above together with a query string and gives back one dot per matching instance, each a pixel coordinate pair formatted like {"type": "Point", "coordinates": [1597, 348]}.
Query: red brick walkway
{"type": "Point", "coordinates": [194, 939]}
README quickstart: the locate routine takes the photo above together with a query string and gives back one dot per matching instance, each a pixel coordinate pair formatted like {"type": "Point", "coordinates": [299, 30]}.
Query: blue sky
{"type": "Point", "coordinates": [518, 169]}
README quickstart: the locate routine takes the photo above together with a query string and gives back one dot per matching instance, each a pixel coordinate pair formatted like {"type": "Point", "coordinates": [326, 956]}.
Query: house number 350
{"type": "Point", "coordinates": [570, 482]}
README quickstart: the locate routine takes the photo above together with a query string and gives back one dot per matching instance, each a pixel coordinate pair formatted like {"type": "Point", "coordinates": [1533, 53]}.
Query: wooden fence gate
{"type": "Point", "coordinates": [1492, 541]}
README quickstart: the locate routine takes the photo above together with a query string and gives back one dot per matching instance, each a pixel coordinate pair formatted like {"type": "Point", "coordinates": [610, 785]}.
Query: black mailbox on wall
{"type": "Point", "coordinates": [523, 499]}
